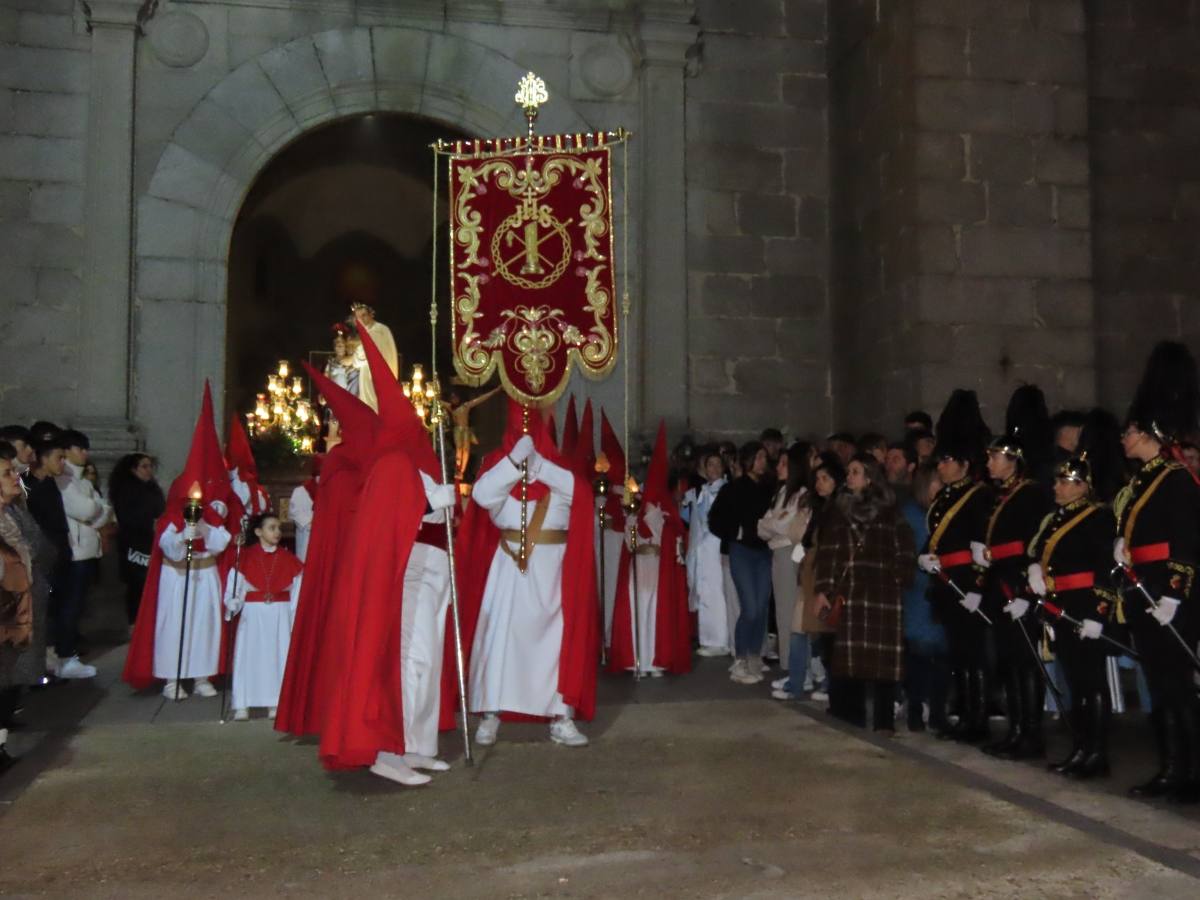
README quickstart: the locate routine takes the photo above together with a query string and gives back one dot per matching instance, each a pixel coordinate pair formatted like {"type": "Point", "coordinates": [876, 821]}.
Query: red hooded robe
{"type": "Point", "coordinates": [367, 715]}
{"type": "Point", "coordinates": [204, 467]}
{"type": "Point", "coordinates": [304, 696]}
{"type": "Point", "coordinates": [672, 625]}
{"type": "Point", "coordinates": [570, 435]}
{"type": "Point", "coordinates": [477, 544]}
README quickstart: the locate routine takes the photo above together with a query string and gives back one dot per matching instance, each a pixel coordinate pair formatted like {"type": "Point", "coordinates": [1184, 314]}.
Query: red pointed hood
{"type": "Point", "coordinates": [657, 488]}
{"type": "Point", "coordinates": [359, 423]}
{"type": "Point", "coordinates": [585, 444]}
{"type": "Point", "coordinates": [205, 463]}
{"type": "Point", "coordinates": [570, 435]}
{"type": "Point", "coordinates": [552, 428]}
{"type": "Point", "coordinates": [400, 426]}
{"type": "Point", "coordinates": [611, 448]}
{"type": "Point", "coordinates": [238, 454]}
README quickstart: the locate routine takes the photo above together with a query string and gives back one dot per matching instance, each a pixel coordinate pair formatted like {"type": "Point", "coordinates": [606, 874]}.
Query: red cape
{"type": "Point", "coordinates": [307, 684]}
{"type": "Point", "coordinates": [477, 544]}
{"type": "Point", "coordinates": [672, 622]}
{"type": "Point", "coordinates": [205, 467]}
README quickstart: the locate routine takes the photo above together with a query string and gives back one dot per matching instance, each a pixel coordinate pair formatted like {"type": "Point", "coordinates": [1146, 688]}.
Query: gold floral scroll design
{"type": "Point", "coordinates": [532, 334]}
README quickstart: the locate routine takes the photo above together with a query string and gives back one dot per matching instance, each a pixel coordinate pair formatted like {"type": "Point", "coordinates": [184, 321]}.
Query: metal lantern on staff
{"type": "Point", "coordinates": [192, 513]}
{"type": "Point", "coordinates": [532, 275]}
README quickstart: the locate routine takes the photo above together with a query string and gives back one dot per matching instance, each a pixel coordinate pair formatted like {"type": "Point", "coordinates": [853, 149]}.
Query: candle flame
{"type": "Point", "coordinates": [194, 491]}
{"type": "Point", "coordinates": [602, 464]}
{"type": "Point", "coordinates": [631, 486]}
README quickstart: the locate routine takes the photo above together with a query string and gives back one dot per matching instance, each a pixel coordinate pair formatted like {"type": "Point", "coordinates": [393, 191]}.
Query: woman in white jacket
{"type": "Point", "coordinates": [706, 581]}
{"type": "Point", "coordinates": [783, 529]}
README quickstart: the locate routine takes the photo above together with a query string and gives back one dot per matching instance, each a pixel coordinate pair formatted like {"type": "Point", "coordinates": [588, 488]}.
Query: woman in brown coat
{"type": "Point", "coordinates": [865, 558]}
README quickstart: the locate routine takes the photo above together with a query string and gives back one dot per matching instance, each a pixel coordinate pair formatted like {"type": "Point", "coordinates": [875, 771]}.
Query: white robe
{"type": "Point", "coordinates": [518, 640]}
{"type": "Point", "coordinates": [386, 344]}
{"type": "Point", "coordinates": [300, 511]}
{"type": "Point", "coordinates": [422, 636]}
{"type": "Point", "coordinates": [706, 581]}
{"type": "Point", "coordinates": [646, 610]}
{"type": "Point", "coordinates": [613, 540]}
{"type": "Point", "coordinates": [264, 634]}
{"type": "Point", "coordinates": [202, 635]}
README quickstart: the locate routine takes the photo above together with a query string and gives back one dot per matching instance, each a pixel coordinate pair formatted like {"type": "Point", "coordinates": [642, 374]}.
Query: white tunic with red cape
{"type": "Point", "coordinates": [267, 584]}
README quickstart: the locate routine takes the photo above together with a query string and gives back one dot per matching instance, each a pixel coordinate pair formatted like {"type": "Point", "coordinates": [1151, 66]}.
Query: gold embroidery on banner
{"type": "Point", "coordinates": [531, 333]}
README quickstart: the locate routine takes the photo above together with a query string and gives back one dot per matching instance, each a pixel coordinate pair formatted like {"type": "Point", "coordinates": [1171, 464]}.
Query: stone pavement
{"type": "Point", "coordinates": [692, 787]}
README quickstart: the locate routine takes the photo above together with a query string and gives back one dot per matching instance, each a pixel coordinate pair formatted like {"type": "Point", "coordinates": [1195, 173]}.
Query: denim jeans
{"type": "Point", "coordinates": [799, 655]}
{"type": "Point", "coordinates": [68, 608]}
{"type": "Point", "coordinates": [750, 568]}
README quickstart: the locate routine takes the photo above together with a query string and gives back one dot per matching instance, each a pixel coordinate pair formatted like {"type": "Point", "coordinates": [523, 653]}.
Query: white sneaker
{"type": "Point", "coordinates": [655, 673]}
{"type": "Point", "coordinates": [395, 770]}
{"type": "Point", "coordinates": [203, 688]}
{"type": "Point", "coordinates": [241, 715]}
{"type": "Point", "coordinates": [779, 683]}
{"type": "Point", "coordinates": [819, 696]}
{"type": "Point", "coordinates": [783, 695]}
{"type": "Point", "coordinates": [809, 684]}
{"type": "Point", "coordinates": [563, 731]}
{"type": "Point", "coordinates": [73, 668]}
{"type": "Point", "coordinates": [816, 669]}
{"type": "Point", "coordinates": [417, 761]}
{"type": "Point", "coordinates": [485, 734]}
{"type": "Point", "coordinates": [168, 691]}
{"type": "Point", "coordinates": [748, 678]}
{"type": "Point", "coordinates": [712, 651]}
{"type": "Point", "coordinates": [738, 670]}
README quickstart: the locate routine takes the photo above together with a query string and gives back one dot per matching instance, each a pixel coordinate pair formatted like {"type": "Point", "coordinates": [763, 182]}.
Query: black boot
{"type": "Point", "coordinates": [948, 731]}
{"type": "Point", "coordinates": [1014, 710]}
{"type": "Point", "coordinates": [1033, 698]}
{"type": "Point", "coordinates": [1078, 720]}
{"type": "Point", "coordinates": [1095, 764]}
{"type": "Point", "coordinates": [1169, 777]}
{"type": "Point", "coordinates": [1189, 790]}
{"type": "Point", "coordinates": [977, 708]}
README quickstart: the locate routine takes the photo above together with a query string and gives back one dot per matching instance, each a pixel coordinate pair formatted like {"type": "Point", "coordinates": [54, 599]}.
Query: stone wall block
{"type": "Point", "coordinates": [57, 30]}
{"type": "Point", "coordinates": [252, 100]}
{"type": "Point", "coordinates": [803, 341]}
{"type": "Point", "coordinates": [711, 212]}
{"type": "Point", "coordinates": [806, 91]}
{"type": "Point", "coordinates": [1023, 204]}
{"type": "Point", "coordinates": [806, 172]}
{"type": "Point", "coordinates": [729, 337]}
{"type": "Point", "coordinates": [761, 377]}
{"type": "Point", "coordinates": [956, 105]}
{"type": "Point", "coordinates": [401, 55]}
{"type": "Point", "coordinates": [1031, 252]}
{"type": "Point", "coordinates": [711, 375]}
{"type": "Point", "coordinates": [940, 52]}
{"type": "Point", "coordinates": [958, 300]}
{"type": "Point", "coordinates": [950, 202]}
{"type": "Point", "coordinates": [1066, 16]}
{"type": "Point", "coordinates": [166, 279]}
{"type": "Point", "coordinates": [728, 167]}
{"type": "Point", "coordinates": [1025, 55]}
{"type": "Point", "coordinates": [969, 12]}
{"type": "Point", "coordinates": [805, 19]}
{"type": "Point", "coordinates": [767, 214]}
{"type": "Point", "coordinates": [725, 295]}
{"type": "Point", "coordinates": [41, 159]}
{"type": "Point", "coordinates": [761, 126]}
{"type": "Point", "coordinates": [726, 254]}
{"type": "Point", "coordinates": [746, 17]}
{"type": "Point", "coordinates": [184, 177]}
{"type": "Point", "coordinates": [166, 229]}
{"type": "Point", "coordinates": [347, 60]}
{"type": "Point", "coordinates": [1062, 162]}
{"type": "Point", "coordinates": [296, 72]}
{"type": "Point", "coordinates": [782, 296]}
{"type": "Point", "coordinates": [14, 200]}
{"type": "Point", "coordinates": [1001, 159]}
{"type": "Point", "coordinates": [788, 256]}
{"type": "Point", "coordinates": [59, 288]}
{"type": "Point", "coordinates": [50, 115]}
{"type": "Point", "coordinates": [40, 69]}
{"type": "Point", "coordinates": [1033, 108]}
{"type": "Point", "coordinates": [57, 204]}
{"type": "Point", "coordinates": [20, 289]}
{"type": "Point", "coordinates": [212, 134]}
{"type": "Point", "coordinates": [1071, 112]}
{"type": "Point", "coordinates": [938, 155]}
{"type": "Point", "coordinates": [1065, 304]}
{"type": "Point", "coordinates": [735, 86]}
{"type": "Point", "coordinates": [1073, 207]}
{"type": "Point", "coordinates": [732, 52]}
{"type": "Point", "coordinates": [937, 249]}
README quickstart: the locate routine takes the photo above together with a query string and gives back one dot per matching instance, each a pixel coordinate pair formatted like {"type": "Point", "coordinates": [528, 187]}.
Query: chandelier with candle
{"type": "Point", "coordinates": [283, 410]}
{"type": "Point", "coordinates": [425, 396]}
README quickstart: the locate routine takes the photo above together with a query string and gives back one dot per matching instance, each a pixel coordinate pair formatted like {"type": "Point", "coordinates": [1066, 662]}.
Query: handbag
{"type": "Point", "coordinates": [16, 601]}
{"type": "Point", "coordinates": [832, 614]}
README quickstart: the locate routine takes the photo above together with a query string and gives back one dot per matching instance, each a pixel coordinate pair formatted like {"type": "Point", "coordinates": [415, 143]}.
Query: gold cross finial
{"type": "Point", "coordinates": [531, 93]}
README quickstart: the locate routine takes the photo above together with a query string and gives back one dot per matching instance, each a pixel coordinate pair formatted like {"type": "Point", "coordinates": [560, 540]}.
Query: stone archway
{"type": "Point", "coordinates": [185, 219]}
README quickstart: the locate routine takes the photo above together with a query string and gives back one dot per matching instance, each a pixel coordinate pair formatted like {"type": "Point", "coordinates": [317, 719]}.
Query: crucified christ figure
{"type": "Point", "coordinates": [464, 437]}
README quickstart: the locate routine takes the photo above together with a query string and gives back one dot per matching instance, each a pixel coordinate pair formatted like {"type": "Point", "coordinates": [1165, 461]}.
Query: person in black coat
{"type": "Point", "coordinates": [1070, 562]}
{"type": "Point", "coordinates": [734, 519]}
{"type": "Point", "coordinates": [138, 501]}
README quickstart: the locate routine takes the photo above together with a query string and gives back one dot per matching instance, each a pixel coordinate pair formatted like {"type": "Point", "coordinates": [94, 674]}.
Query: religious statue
{"type": "Point", "coordinates": [381, 335]}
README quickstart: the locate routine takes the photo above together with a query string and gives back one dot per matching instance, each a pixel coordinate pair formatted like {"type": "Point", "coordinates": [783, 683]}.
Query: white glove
{"type": "Point", "coordinates": [979, 554]}
{"type": "Point", "coordinates": [928, 562]}
{"type": "Point", "coordinates": [1016, 607]}
{"type": "Point", "coordinates": [1089, 629]}
{"type": "Point", "coordinates": [219, 508]}
{"type": "Point", "coordinates": [971, 601]}
{"type": "Point", "coordinates": [190, 532]}
{"type": "Point", "coordinates": [1037, 582]}
{"type": "Point", "coordinates": [521, 450]}
{"type": "Point", "coordinates": [798, 553]}
{"type": "Point", "coordinates": [234, 606]}
{"type": "Point", "coordinates": [1165, 611]}
{"type": "Point", "coordinates": [441, 496]}
{"type": "Point", "coordinates": [1119, 556]}
{"type": "Point", "coordinates": [654, 518]}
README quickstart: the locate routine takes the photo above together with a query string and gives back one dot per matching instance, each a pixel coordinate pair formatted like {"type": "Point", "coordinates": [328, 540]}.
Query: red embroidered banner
{"type": "Point", "coordinates": [531, 269]}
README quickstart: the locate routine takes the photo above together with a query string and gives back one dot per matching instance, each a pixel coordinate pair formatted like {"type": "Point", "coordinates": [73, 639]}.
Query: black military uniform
{"type": "Point", "coordinates": [1157, 517]}
{"type": "Point", "coordinates": [1020, 506]}
{"type": "Point", "coordinates": [1073, 549]}
{"type": "Point", "coordinates": [957, 517]}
